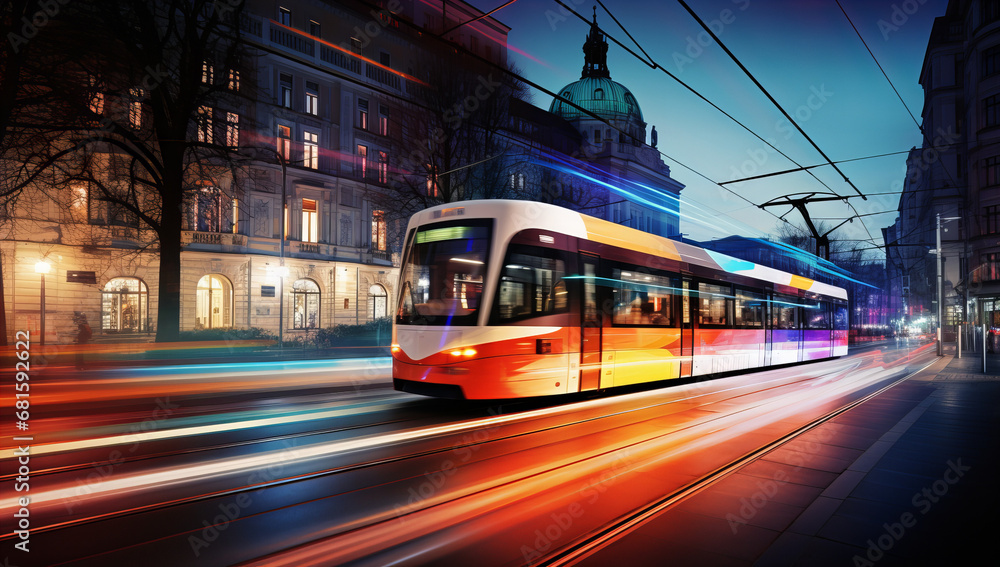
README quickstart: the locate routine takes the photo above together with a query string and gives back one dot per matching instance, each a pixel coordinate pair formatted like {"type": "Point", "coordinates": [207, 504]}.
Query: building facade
{"type": "Point", "coordinates": [332, 118]}
{"type": "Point", "coordinates": [954, 176]}
{"type": "Point", "coordinates": [296, 236]}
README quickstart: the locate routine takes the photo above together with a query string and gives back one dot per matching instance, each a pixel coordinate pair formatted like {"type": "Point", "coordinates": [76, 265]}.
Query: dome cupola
{"type": "Point", "coordinates": [595, 91]}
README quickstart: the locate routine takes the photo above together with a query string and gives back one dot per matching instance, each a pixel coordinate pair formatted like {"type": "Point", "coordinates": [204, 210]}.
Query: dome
{"type": "Point", "coordinates": [599, 95]}
{"type": "Point", "coordinates": [595, 91]}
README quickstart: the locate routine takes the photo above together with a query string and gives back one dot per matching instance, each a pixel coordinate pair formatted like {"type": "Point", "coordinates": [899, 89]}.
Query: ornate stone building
{"type": "Point", "coordinates": [297, 237]}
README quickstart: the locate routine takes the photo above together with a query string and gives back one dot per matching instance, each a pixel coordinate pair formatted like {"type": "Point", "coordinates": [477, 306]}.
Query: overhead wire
{"type": "Point", "coordinates": [926, 139]}
{"type": "Point", "coordinates": [764, 90]}
{"type": "Point", "coordinates": [652, 64]}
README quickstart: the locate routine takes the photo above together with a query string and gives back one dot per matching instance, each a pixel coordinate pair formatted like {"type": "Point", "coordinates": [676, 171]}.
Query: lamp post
{"type": "Point", "coordinates": [281, 272]}
{"type": "Point", "coordinates": [940, 285]}
{"type": "Point", "coordinates": [281, 250]}
{"type": "Point", "coordinates": [41, 268]}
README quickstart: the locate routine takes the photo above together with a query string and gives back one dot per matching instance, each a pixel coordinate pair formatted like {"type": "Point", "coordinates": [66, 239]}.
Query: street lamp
{"type": "Point", "coordinates": [940, 284]}
{"type": "Point", "coordinates": [281, 249]}
{"type": "Point", "coordinates": [281, 271]}
{"type": "Point", "coordinates": [41, 268]}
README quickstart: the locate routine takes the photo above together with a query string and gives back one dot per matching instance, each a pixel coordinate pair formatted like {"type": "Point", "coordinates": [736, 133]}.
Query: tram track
{"type": "Point", "coordinates": [591, 543]}
{"type": "Point", "coordinates": [509, 417]}
{"type": "Point", "coordinates": [387, 464]}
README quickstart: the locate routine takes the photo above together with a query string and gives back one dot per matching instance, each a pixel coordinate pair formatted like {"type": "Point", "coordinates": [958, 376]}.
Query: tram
{"type": "Point", "coordinates": [505, 299]}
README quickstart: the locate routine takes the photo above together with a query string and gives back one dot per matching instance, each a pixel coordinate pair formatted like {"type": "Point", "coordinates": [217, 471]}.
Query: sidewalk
{"type": "Point", "coordinates": [906, 478]}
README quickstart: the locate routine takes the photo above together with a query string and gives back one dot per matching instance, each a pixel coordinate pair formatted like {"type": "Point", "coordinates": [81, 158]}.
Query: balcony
{"type": "Point", "coordinates": [228, 241]}
{"type": "Point", "coordinates": [384, 76]}
{"type": "Point", "coordinates": [379, 256]}
{"type": "Point", "coordinates": [292, 40]}
{"type": "Point", "coordinates": [324, 55]}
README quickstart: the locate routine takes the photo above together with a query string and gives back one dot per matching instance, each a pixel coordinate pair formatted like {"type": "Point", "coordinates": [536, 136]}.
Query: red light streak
{"type": "Point", "coordinates": [351, 53]}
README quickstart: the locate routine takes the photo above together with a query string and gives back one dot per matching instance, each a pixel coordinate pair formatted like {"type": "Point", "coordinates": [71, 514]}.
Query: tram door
{"type": "Point", "coordinates": [590, 327]}
{"type": "Point", "coordinates": [687, 329]}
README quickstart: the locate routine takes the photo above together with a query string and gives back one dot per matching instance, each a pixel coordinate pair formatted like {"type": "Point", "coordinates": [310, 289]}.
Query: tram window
{"type": "Point", "coordinates": [644, 299]}
{"type": "Point", "coordinates": [749, 309]}
{"type": "Point", "coordinates": [531, 284]}
{"type": "Point", "coordinates": [784, 313]}
{"type": "Point", "coordinates": [441, 281]}
{"type": "Point", "coordinates": [817, 315]}
{"type": "Point", "coordinates": [714, 302]}
{"type": "Point", "coordinates": [840, 322]}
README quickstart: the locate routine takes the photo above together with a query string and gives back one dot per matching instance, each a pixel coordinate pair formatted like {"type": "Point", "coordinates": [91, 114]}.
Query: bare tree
{"type": "Point", "coordinates": [457, 145]}
{"type": "Point", "coordinates": [139, 118]}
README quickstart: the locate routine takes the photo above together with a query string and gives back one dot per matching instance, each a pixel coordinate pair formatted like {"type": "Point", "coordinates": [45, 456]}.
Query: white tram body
{"type": "Point", "coordinates": [505, 299]}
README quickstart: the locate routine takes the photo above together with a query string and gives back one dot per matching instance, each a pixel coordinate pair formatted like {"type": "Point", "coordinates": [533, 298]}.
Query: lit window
{"type": "Point", "coordinates": [378, 230]}
{"type": "Point", "coordinates": [383, 167]}
{"type": "Point", "coordinates": [383, 120]}
{"type": "Point", "coordinates": [305, 304]}
{"type": "Point", "coordinates": [432, 181]}
{"type": "Point", "coordinates": [232, 129]}
{"type": "Point", "coordinates": [135, 108]}
{"type": "Point", "coordinates": [363, 113]}
{"type": "Point", "coordinates": [310, 149]}
{"type": "Point", "coordinates": [124, 305]}
{"type": "Point", "coordinates": [378, 299]}
{"type": "Point", "coordinates": [207, 73]}
{"type": "Point", "coordinates": [206, 210]}
{"type": "Point", "coordinates": [284, 141]}
{"type": "Point", "coordinates": [96, 98]}
{"type": "Point", "coordinates": [362, 161]}
{"type": "Point", "coordinates": [310, 221]}
{"type": "Point", "coordinates": [213, 303]}
{"type": "Point", "coordinates": [80, 197]}
{"type": "Point", "coordinates": [312, 98]}
{"type": "Point", "coordinates": [205, 124]}
{"type": "Point", "coordinates": [234, 80]}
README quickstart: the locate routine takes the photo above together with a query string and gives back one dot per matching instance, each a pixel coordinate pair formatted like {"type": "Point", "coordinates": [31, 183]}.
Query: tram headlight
{"type": "Point", "coordinates": [463, 352]}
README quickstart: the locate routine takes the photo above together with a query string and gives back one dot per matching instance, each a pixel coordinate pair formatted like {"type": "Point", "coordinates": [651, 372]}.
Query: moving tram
{"type": "Point", "coordinates": [507, 299]}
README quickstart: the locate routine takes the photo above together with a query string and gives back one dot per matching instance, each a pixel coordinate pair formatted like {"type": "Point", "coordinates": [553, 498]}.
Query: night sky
{"type": "Point", "coordinates": [805, 53]}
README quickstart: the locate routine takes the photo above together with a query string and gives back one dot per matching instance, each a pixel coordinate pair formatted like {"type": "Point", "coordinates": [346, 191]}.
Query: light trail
{"type": "Point", "coordinates": [170, 476]}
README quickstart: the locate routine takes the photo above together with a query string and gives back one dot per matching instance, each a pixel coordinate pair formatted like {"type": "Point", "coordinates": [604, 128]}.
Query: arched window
{"type": "Point", "coordinates": [214, 303]}
{"type": "Point", "coordinates": [305, 304]}
{"type": "Point", "coordinates": [598, 94]}
{"type": "Point", "coordinates": [124, 306]}
{"type": "Point", "coordinates": [378, 299]}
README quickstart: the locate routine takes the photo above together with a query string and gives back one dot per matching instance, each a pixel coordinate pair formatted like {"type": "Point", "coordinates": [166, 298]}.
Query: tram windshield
{"type": "Point", "coordinates": [441, 281]}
